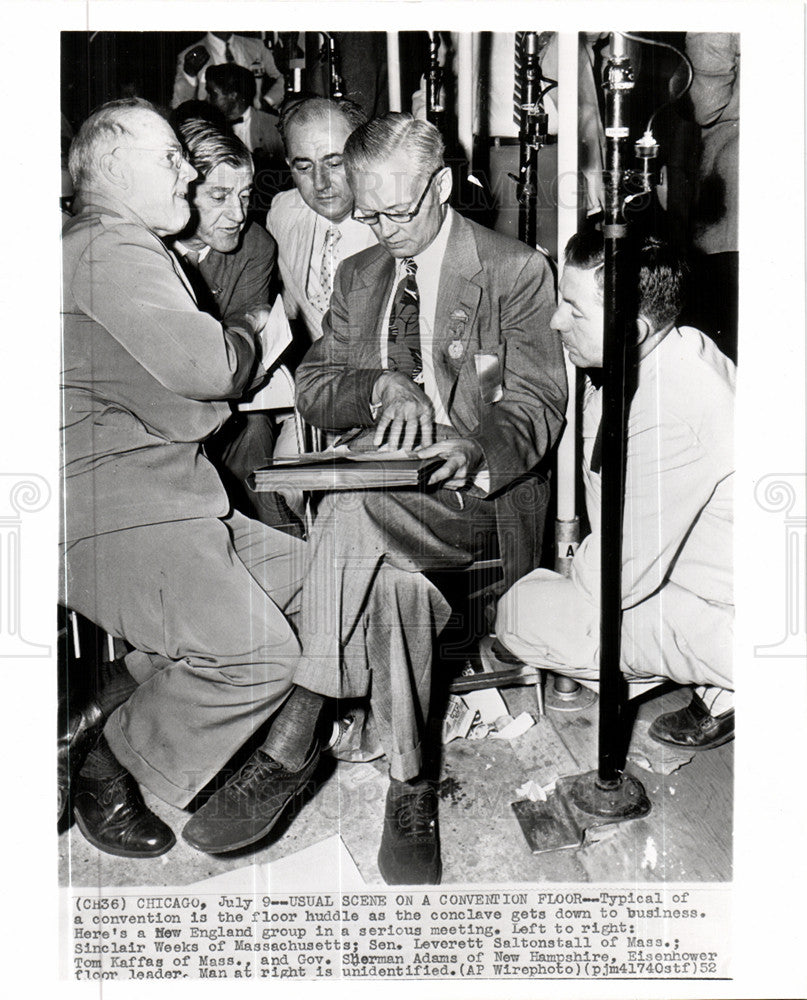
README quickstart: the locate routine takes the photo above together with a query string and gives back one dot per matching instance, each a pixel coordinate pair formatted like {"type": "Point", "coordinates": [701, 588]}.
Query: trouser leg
{"type": "Point", "coordinates": [550, 623]}
{"type": "Point", "coordinates": [181, 591]}
{"type": "Point", "coordinates": [364, 599]}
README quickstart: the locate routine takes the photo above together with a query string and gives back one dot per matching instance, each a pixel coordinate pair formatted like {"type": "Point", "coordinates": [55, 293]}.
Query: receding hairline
{"type": "Point", "coordinates": [317, 114]}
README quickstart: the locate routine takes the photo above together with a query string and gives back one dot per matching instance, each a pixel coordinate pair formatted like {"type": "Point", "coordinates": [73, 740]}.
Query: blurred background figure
{"type": "Point", "coordinates": [715, 102]}
{"type": "Point", "coordinates": [219, 47]}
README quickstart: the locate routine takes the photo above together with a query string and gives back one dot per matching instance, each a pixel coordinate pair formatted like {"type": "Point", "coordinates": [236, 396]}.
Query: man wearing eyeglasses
{"type": "Point", "coordinates": [437, 340]}
{"type": "Point", "coordinates": [151, 550]}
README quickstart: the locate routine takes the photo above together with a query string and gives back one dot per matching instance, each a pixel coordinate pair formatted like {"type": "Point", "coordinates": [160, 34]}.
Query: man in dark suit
{"type": "Point", "coordinates": [152, 550]}
{"type": "Point", "coordinates": [230, 262]}
{"type": "Point", "coordinates": [439, 338]}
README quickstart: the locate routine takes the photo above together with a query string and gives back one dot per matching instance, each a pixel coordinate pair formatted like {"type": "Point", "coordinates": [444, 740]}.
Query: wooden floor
{"type": "Point", "coordinates": [687, 836]}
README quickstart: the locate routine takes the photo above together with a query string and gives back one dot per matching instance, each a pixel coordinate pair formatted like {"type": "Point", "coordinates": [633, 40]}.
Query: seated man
{"type": "Point", "coordinates": [152, 551]}
{"type": "Point", "coordinates": [677, 544]}
{"type": "Point", "coordinates": [461, 361]}
{"type": "Point", "coordinates": [229, 262]}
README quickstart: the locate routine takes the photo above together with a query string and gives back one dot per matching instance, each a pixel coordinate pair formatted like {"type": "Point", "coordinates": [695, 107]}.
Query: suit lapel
{"type": "Point", "coordinates": [368, 297]}
{"type": "Point", "coordinates": [458, 299]}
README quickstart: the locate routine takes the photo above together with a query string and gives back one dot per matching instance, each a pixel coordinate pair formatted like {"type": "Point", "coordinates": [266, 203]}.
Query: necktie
{"type": "Point", "coordinates": [403, 346]}
{"type": "Point", "coordinates": [327, 267]}
{"type": "Point", "coordinates": [228, 53]}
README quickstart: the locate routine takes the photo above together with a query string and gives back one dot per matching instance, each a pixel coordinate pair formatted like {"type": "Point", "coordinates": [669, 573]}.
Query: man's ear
{"type": "Point", "coordinates": [644, 328]}
{"type": "Point", "coordinates": [113, 170]}
{"type": "Point", "coordinates": [445, 184]}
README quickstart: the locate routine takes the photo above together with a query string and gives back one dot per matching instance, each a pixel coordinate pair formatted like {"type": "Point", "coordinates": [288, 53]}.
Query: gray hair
{"type": "Point", "coordinates": [99, 134]}
{"type": "Point", "coordinates": [208, 147]}
{"type": "Point", "coordinates": [384, 136]}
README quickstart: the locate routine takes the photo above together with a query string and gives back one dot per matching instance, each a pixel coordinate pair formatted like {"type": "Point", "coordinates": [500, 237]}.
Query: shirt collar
{"type": "Point", "coordinates": [432, 256]}
{"type": "Point", "coordinates": [184, 251]}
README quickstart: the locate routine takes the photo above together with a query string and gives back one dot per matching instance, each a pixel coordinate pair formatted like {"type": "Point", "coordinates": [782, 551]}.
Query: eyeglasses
{"type": "Point", "coordinates": [174, 155]}
{"type": "Point", "coordinates": [372, 218]}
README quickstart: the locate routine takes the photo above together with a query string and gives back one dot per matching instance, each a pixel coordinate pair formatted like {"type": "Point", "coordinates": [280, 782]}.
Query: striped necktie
{"type": "Point", "coordinates": [403, 345]}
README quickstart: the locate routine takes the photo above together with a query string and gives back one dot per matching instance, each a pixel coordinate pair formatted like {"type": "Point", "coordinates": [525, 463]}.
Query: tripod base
{"type": "Point", "coordinates": [576, 804]}
{"type": "Point", "coordinates": [625, 799]}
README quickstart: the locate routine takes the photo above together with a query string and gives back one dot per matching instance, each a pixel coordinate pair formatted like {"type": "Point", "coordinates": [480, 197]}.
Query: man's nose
{"type": "Point", "coordinates": [188, 172]}
{"type": "Point", "coordinates": [386, 226]}
{"type": "Point", "coordinates": [558, 319]}
{"type": "Point", "coordinates": [322, 177]}
{"type": "Point", "coordinates": [236, 210]}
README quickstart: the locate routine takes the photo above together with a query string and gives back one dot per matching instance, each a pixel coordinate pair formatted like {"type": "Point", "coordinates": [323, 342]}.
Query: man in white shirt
{"type": "Point", "coordinates": [312, 224]}
{"type": "Point", "coordinates": [224, 47]}
{"type": "Point", "coordinates": [231, 89]}
{"type": "Point", "coordinates": [678, 607]}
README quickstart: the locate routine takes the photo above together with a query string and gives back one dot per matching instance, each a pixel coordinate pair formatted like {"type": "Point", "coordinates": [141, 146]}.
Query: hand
{"type": "Point", "coordinates": [405, 410]}
{"type": "Point", "coordinates": [195, 60]}
{"type": "Point", "coordinates": [463, 459]}
{"type": "Point", "coordinates": [257, 317]}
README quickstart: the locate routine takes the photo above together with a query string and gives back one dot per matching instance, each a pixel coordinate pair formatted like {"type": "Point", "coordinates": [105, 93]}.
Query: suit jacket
{"type": "Point", "coordinates": [248, 52]}
{"type": "Point", "coordinates": [146, 378]}
{"type": "Point", "coordinates": [233, 282]}
{"type": "Point", "coordinates": [495, 296]}
{"type": "Point", "coordinates": [292, 223]}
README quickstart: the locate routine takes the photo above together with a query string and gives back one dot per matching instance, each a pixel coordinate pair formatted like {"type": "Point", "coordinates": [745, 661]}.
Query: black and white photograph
{"type": "Point", "coordinates": [424, 497]}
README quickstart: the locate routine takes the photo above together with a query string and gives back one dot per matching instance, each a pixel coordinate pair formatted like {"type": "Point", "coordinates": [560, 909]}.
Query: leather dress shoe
{"type": "Point", "coordinates": [693, 727]}
{"type": "Point", "coordinates": [78, 734]}
{"type": "Point", "coordinates": [248, 806]}
{"type": "Point", "coordinates": [112, 815]}
{"type": "Point", "coordinates": [410, 845]}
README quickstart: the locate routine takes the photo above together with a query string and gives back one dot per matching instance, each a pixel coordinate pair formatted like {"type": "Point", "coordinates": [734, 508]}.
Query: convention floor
{"type": "Point", "coordinates": [687, 836]}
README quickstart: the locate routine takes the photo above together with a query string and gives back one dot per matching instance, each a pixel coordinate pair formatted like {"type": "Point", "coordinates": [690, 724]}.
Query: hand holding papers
{"type": "Point", "coordinates": [274, 333]}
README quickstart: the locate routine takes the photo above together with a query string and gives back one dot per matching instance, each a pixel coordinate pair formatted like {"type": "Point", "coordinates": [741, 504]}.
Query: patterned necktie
{"type": "Point", "coordinates": [330, 260]}
{"type": "Point", "coordinates": [403, 346]}
{"type": "Point", "coordinates": [228, 53]}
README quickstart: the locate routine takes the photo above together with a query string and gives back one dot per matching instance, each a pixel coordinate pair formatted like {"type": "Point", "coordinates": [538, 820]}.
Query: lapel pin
{"type": "Point", "coordinates": [455, 350]}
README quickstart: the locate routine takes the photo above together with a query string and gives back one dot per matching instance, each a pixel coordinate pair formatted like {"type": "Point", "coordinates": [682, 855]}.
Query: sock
{"type": "Point", "coordinates": [101, 762]}
{"type": "Point", "coordinates": [717, 700]}
{"type": "Point", "coordinates": [294, 728]}
{"type": "Point", "coordinates": [114, 685]}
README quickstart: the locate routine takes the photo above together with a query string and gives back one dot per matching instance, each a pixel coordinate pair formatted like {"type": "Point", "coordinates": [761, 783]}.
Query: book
{"type": "Point", "coordinates": [338, 470]}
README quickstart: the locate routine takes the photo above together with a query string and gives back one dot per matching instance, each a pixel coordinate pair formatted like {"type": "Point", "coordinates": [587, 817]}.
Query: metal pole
{"type": "Point", "coordinates": [465, 93]}
{"type": "Point", "coordinates": [616, 292]}
{"type": "Point", "coordinates": [567, 530]}
{"type": "Point", "coordinates": [393, 71]}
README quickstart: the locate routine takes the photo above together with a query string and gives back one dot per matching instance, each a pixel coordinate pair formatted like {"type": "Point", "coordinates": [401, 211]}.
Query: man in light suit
{"type": "Point", "coordinates": [218, 47]}
{"type": "Point", "coordinates": [312, 223]}
{"type": "Point", "coordinates": [152, 550]}
{"type": "Point", "coordinates": [677, 599]}
{"type": "Point", "coordinates": [462, 363]}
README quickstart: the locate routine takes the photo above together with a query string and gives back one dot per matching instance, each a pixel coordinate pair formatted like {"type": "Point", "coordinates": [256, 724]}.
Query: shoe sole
{"type": "Point", "coordinates": [307, 770]}
{"type": "Point", "coordinates": [118, 851]}
{"type": "Point", "coordinates": [711, 745]}
{"type": "Point", "coordinates": [436, 881]}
